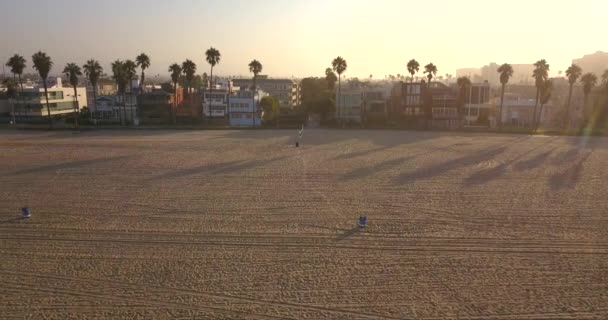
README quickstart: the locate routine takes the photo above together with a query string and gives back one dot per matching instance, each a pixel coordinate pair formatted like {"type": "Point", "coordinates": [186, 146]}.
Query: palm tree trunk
{"type": "Point", "coordinates": [542, 105]}
{"type": "Point", "coordinates": [210, 91]}
{"type": "Point", "coordinates": [21, 95]}
{"type": "Point", "coordinates": [173, 117]}
{"type": "Point", "coordinates": [567, 119]}
{"type": "Point", "coordinates": [253, 99]}
{"type": "Point", "coordinates": [339, 97]}
{"type": "Point", "coordinates": [77, 113]}
{"type": "Point", "coordinates": [502, 99]}
{"type": "Point", "coordinates": [95, 97]}
{"type": "Point", "coordinates": [48, 109]}
{"type": "Point", "coordinates": [535, 106]}
{"type": "Point", "coordinates": [141, 91]}
{"type": "Point", "coordinates": [124, 108]}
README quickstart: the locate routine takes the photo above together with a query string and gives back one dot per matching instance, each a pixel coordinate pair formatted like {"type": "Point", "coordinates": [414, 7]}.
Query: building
{"type": "Point", "coordinates": [414, 104]}
{"type": "Point", "coordinates": [160, 106]}
{"type": "Point", "coordinates": [286, 91]}
{"type": "Point", "coordinates": [244, 108]}
{"type": "Point", "coordinates": [517, 111]}
{"type": "Point", "coordinates": [349, 105]}
{"type": "Point", "coordinates": [522, 74]}
{"type": "Point", "coordinates": [62, 102]}
{"type": "Point", "coordinates": [375, 105]}
{"type": "Point", "coordinates": [215, 103]}
{"type": "Point", "coordinates": [477, 109]}
{"type": "Point", "coordinates": [596, 63]}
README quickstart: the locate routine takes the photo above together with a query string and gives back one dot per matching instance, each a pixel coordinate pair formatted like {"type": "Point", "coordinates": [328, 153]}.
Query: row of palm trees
{"type": "Point", "coordinates": [122, 72]}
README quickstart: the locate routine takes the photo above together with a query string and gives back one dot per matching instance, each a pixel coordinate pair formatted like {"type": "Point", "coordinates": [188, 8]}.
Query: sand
{"type": "Point", "coordinates": [243, 225]}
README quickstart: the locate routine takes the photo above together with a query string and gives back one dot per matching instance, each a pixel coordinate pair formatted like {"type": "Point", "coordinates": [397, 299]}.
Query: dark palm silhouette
{"type": "Point", "coordinates": [213, 56]}
{"type": "Point", "coordinates": [11, 93]}
{"type": "Point", "coordinates": [142, 61]}
{"type": "Point", "coordinates": [430, 70]}
{"type": "Point", "coordinates": [412, 67]}
{"type": "Point", "coordinates": [506, 72]}
{"type": "Point", "coordinates": [72, 72]}
{"type": "Point", "coordinates": [463, 83]}
{"type": "Point", "coordinates": [589, 81]}
{"type": "Point", "coordinates": [189, 69]}
{"type": "Point", "coordinates": [176, 71]}
{"type": "Point", "coordinates": [93, 70]}
{"type": "Point", "coordinates": [331, 79]}
{"type": "Point", "coordinates": [255, 67]}
{"type": "Point", "coordinates": [43, 64]}
{"type": "Point", "coordinates": [573, 73]}
{"type": "Point", "coordinates": [119, 75]}
{"type": "Point", "coordinates": [540, 74]}
{"type": "Point", "coordinates": [339, 65]}
{"type": "Point", "coordinates": [17, 65]}
{"type": "Point", "coordinates": [130, 74]}
{"type": "Point", "coordinates": [545, 95]}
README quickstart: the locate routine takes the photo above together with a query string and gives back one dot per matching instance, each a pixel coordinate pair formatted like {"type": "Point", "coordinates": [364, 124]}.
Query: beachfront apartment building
{"type": "Point", "coordinates": [244, 108]}
{"type": "Point", "coordinates": [32, 102]}
{"type": "Point", "coordinates": [215, 102]}
{"type": "Point", "coordinates": [477, 109]}
{"type": "Point", "coordinates": [349, 105]}
{"type": "Point", "coordinates": [286, 91]}
{"type": "Point", "coordinates": [416, 104]}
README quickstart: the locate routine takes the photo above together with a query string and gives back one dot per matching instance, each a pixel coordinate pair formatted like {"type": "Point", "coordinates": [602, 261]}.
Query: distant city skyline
{"type": "Point", "coordinates": [300, 38]}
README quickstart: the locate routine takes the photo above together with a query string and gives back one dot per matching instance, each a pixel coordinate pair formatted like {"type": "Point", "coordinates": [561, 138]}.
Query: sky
{"type": "Point", "coordinates": [298, 38]}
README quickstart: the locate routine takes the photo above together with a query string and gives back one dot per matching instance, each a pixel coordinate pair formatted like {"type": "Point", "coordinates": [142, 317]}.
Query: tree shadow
{"type": "Point", "coordinates": [534, 161]}
{"type": "Point", "coordinates": [368, 171]}
{"type": "Point", "coordinates": [439, 169]}
{"type": "Point", "coordinates": [569, 177]}
{"type": "Point", "coordinates": [348, 233]}
{"type": "Point", "coordinates": [351, 155]}
{"type": "Point", "coordinates": [13, 220]}
{"type": "Point", "coordinates": [68, 165]}
{"type": "Point", "coordinates": [218, 168]}
{"type": "Point", "coordinates": [566, 156]}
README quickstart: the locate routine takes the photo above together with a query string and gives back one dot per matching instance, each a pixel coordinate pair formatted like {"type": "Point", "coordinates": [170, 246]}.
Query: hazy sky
{"type": "Point", "coordinates": [301, 37]}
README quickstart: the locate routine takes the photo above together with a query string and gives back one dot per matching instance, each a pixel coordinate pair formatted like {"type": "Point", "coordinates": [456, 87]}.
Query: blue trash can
{"type": "Point", "coordinates": [25, 212]}
{"type": "Point", "coordinates": [362, 221]}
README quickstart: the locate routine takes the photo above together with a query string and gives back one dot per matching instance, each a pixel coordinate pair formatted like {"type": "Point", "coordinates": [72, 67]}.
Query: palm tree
{"type": "Point", "coordinates": [130, 73]}
{"type": "Point", "coordinates": [189, 69]}
{"type": "Point", "coordinates": [412, 67]}
{"type": "Point", "coordinates": [430, 70]}
{"type": "Point", "coordinates": [339, 65]}
{"type": "Point", "coordinates": [573, 73]}
{"type": "Point", "coordinates": [545, 95]}
{"type": "Point", "coordinates": [506, 72]}
{"type": "Point", "coordinates": [331, 79]}
{"type": "Point", "coordinates": [11, 94]}
{"type": "Point", "coordinates": [17, 65]}
{"type": "Point", "coordinates": [93, 70]}
{"type": "Point", "coordinates": [43, 64]}
{"type": "Point", "coordinates": [72, 72]}
{"type": "Point", "coordinates": [589, 81]}
{"type": "Point", "coordinates": [255, 67]}
{"type": "Point", "coordinates": [118, 71]}
{"type": "Point", "coordinates": [463, 83]}
{"type": "Point", "coordinates": [176, 71]}
{"type": "Point", "coordinates": [213, 57]}
{"type": "Point", "coordinates": [540, 74]}
{"type": "Point", "coordinates": [605, 79]}
{"type": "Point", "coordinates": [142, 61]}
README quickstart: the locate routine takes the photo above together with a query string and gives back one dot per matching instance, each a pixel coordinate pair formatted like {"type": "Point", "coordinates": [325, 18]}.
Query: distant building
{"type": "Point", "coordinates": [596, 63]}
{"type": "Point", "coordinates": [477, 107]}
{"type": "Point", "coordinates": [61, 101]}
{"type": "Point", "coordinates": [522, 74]}
{"type": "Point", "coordinates": [215, 103]}
{"type": "Point", "coordinates": [286, 91]}
{"type": "Point", "coordinates": [349, 105]}
{"type": "Point", "coordinates": [415, 104]}
{"type": "Point", "coordinates": [244, 108]}
{"type": "Point", "coordinates": [517, 111]}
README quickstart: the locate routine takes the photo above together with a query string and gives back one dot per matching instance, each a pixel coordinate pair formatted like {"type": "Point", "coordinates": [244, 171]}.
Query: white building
{"type": "Point", "coordinates": [244, 108]}
{"type": "Point", "coordinates": [215, 103]}
{"type": "Point", "coordinates": [61, 100]}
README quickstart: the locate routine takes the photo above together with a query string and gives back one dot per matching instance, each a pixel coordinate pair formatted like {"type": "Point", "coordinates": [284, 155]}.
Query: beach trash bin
{"type": "Point", "coordinates": [25, 212]}
{"type": "Point", "coordinates": [362, 221]}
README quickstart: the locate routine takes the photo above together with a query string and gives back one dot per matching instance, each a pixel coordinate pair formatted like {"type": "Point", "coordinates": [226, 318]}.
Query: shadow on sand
{"type": "Point", "coordinates": [569, 177]}
{"type": "Point", "coordinates": [348, 233]}
{"type": "Point", "coordinates": [68, 165]}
